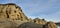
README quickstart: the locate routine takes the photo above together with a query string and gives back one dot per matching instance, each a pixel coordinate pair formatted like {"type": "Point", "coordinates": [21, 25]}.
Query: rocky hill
{"type": "Point", "coordinates": [12, 16]}
{"type": "Point", "coordinates": [11, 11]}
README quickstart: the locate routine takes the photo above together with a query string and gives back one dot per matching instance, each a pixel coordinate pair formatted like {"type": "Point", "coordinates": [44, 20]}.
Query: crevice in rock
{"type": "Point", "coordinates": [7, 14]}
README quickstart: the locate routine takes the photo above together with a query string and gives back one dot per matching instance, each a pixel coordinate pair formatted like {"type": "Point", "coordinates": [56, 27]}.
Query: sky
{"type": "Point", "coordinates": [47, 9]}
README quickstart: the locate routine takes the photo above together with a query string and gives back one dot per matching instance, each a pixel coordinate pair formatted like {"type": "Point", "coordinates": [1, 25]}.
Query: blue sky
{"type": "Point", "coordinates": [48, 9]}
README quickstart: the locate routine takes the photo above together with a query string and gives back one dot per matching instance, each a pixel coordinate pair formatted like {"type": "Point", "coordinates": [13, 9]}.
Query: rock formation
{"type": "Point", "coordinates": [11, 11]}
{"type": "Point", "coordinates": [45, 23]}
{"type": "Point", "coordinates": [30, 25]}
{"type": "Point", "coordinates": [40, 21]}
{"type": "Point", "coordinates": [12, 16]}
{"type": "Point", "coordinates": [50, 25]}
{"type": "Point", "coordinates": [5, 23]}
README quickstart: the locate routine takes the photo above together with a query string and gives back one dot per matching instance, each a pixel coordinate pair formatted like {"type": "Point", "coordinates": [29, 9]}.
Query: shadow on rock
{"type": "Point", "coordinates": [30, 25]}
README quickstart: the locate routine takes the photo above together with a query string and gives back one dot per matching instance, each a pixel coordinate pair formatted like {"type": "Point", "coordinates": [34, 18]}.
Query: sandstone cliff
{"type": "Point", "coordinates": [12, 16]}
{"type": "Point", "coordinates": [11, 11]}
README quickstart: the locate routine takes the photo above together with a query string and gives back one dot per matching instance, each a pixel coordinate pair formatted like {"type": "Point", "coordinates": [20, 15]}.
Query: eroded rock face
{"type": "Point", "coordinates": [11, 16]}
{"type": "Point", "coordinates": [40, 21]}
{"type": "Point", "coordinates": [50, 25]}
{"type": "Point", "coordinates": [45, 23]}
{"type": "Point", "coordinates": [11, 11]}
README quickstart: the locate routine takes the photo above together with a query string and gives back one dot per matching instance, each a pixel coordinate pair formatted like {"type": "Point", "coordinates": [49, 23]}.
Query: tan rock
{"type": "Point", "coordinates": [11, 11]}
{"type": "Point", "coordinates": [40, 21]}
{"type": "Point", "coordinates": [11, 16]}
{"type": "Point", "coordinates": [5, 23]}
{"type": "Point", "coordinates": [50, 25]}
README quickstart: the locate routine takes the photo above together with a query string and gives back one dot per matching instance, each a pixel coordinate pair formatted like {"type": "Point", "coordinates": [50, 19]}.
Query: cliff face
{"type": "Point", "coordinates": [12, 16]}
{"type": "Point", "coordinates": [11, 11]}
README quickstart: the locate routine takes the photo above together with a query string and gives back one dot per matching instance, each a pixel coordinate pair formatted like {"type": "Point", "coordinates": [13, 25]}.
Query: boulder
{"type": "Point", "coordinates": [50, 25]}
{"type": "Point", "coordinates": [30, 25]}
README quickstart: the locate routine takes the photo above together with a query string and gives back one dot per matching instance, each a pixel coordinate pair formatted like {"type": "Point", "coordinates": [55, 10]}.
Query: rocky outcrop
{"type": "Point", "coordinates": [5, 23]}
{"type": "Point", "coordinates": [30, 25]}
{"type": "Point", "coordinates": [35, 25]}
{"type": "Point", "coordinates": [12, 11]}
{"type": "Point", "coordinates": [40, 21]}
{"type": "Point", "coordinates": [50, 25]}
{"type": "Point", "coordinates": [12, 16]}
{"type": "Point", "coordinates": [45, 23]}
